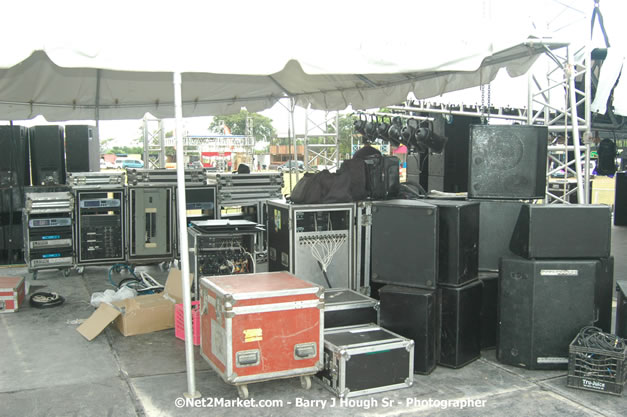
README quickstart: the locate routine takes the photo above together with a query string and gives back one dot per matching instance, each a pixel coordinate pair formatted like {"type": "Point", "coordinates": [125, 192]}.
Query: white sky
{"type": "Point", "coordinates": [545, 15]}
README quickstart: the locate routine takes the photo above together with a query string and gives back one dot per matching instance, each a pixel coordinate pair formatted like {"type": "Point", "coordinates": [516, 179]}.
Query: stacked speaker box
{"type": "Point", "coordinates": [448, 170]}
{"type": "Point", "coordinates": [82, 148]}
{"type": "Point", "coordinates": [404, 273]}
{"type": "Point", "coordinates": [458, 286]}
{"type": "Point", "coordinates": [14, 176]}
{"type": "Point", "coordinates": [489, 308]}
{"type": "Point", "coordinates": [507, 162]}
{"type": "Point", "coordinates": [47, 154]}
{"type": "Point", "coordinates": [560, 281]}
{"type": "Point", "coordinates": [413, 313]}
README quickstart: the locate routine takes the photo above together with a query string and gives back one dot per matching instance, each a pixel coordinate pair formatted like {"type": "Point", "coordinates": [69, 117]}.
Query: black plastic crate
{"type": "Point", "coordinates": [595, 369]}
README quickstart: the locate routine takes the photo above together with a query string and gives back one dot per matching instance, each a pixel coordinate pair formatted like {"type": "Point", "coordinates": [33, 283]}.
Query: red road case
{"type": "Point", "coordinates": [12, 293]}
{"type": "Point", "coordinates": [257, 327]}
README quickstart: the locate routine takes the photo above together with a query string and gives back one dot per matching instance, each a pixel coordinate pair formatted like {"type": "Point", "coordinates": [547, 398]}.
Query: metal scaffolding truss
{"type": "Point", "coordinates": [321, 140]}
{"type": "Point", "coordinates": [154, 143]}
{"type": "Point", "coordinates": [570, 121]}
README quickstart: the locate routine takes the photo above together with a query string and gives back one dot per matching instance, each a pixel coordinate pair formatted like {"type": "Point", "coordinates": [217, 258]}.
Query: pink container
{"type": "Point", "coordinates": [179, 322]}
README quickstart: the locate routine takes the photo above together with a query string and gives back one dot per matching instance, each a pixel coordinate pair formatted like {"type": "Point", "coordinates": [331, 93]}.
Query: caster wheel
{"type": "Point", "coordinates": [80, 270]}
{"type": "Point", "coordinates": [34, 275]}
{"type": "Point", "coordinates": [242, 391]}
{"type": "Point", "coordinates": [305, 382]}
{"type": "Point", "coordinates": [66, 272]}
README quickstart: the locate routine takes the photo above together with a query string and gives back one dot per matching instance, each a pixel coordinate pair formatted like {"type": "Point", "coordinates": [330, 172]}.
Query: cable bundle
{"type": "Point", "coordinates": [144, 284]}
{"type": "Point", "coordinates": [593, 338]}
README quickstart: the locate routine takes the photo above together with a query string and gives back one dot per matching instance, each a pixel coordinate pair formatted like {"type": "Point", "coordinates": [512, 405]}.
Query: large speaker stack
{"type": "Point", "coordinates": [560, 280]}
{"type": "Point", "coordinates": [458, 285]}
{"type": "Point", "coordinates": [14, 176]}
{"type": "Point", "coordinates": [507, 164]}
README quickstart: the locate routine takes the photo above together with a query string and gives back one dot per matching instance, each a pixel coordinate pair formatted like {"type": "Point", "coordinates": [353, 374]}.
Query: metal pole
{"type": "Point", "coordinates": [586, 117]}
{"type": "Point", "coordinates": [306, 138]}
{"type": "Point", "coordinates": [161, 145]}
{"type": "Point", "coordinates": [337, 140]}
{"type": "Point", "coordinates": [570, 73]}
{"type": "Point", "coordinates": [182, 226]}
{"type": "Point", "coordinates": [146, 144]}
{"type": "Point", "coordinates": [292, 109]}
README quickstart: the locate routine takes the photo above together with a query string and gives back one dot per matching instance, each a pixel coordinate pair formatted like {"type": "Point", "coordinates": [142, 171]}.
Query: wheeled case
{"type": "Point", "coordinates": [366, 359]}
{"type": "Point", "coordinates": [259, 327]}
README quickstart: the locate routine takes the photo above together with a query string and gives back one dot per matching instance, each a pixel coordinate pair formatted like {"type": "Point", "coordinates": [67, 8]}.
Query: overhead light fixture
{"type": "Point", "coordinates": [394, 131]}
{"type": "Point", "coordinates": [427, 139]}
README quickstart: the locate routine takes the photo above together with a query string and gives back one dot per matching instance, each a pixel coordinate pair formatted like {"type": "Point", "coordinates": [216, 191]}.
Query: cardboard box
{"type": "Point", "coordinates": [139, 315]}
{"type": "Point", "coordinates": [12, 293]}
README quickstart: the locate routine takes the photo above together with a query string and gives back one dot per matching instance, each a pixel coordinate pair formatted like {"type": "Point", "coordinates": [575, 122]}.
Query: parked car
{"type": "Point", "coordinates": [292, 166]}
{"type": "Point", "coordinates": [106, 164]}
{"type": "Point", "coordinates": [132, 163]}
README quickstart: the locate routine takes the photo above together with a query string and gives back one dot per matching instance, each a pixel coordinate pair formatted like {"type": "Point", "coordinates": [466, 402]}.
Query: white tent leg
{"type": "Point", "coordinates": [181, 203]}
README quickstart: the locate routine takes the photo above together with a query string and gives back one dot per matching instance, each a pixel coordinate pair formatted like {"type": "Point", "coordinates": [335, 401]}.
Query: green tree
{"type": "Point", "coordinates": [346, 132]}
{"type": "Point", "coordinates": [262, 126]}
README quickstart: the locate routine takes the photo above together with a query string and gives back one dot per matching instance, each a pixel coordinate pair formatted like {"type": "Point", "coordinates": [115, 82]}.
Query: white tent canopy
{"type": "Point", "coordinates": [39, 86]}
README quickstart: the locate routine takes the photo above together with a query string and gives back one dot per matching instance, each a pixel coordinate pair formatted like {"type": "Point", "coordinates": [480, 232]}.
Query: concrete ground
{"type": "Point", "coordinates": [49, 369]}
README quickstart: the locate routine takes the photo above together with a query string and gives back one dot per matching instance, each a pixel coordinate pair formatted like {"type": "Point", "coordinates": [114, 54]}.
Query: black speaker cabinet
{"type": "Point", "coordinates": [404, 248]}
{"type": "Point", "coordinates": [620, 200]}
{"type": "Point", "coordinates": [12, 200]}
{"type": "Point", "coordinates": [542, 306]}
{"type": "Point", "coordinates": [621, 308]}
{"type": "Point", "coordinates": [507, 161]}
{"type": "Point", "coordinates": [562, 231]}
{"type": "Point", "coordinates": [460, 338]}
{"type": "Point", "coordinates": [47, 155]}
{"type": "Point", "coordinates": [82, 148]}
{"type": "Point", "coordinates": [448, 170]}
{"type": "Point", "coordinates": [497, 219]}
{"type": "Point", "coordinates": [489, 308]}
{"type": "Point", "coordinates": [14, 162]}
{"type": "Point", "coordinates": [412, 313]}
{"type": "Point", "coordinates": [458, 248]}
{"type": "Point", "coordinates": [603, 294]}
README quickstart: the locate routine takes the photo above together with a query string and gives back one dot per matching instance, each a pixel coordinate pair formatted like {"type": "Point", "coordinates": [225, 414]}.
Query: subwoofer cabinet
{"type": "Point", "coordinates": [14, 161]}
{"type": "Point", "coordinates": [82, 148]}
{"type": "Point", "coordinates": [489, 308]}
{"type": "Point", "coordinates": [603, 294]}
{"type": "Point", "coordinates": [542, 306]}
{"type": "Point", "coordinates": [404, 243]}
{"type": "Point", "coordinates": [150, 224]}
{"type": "Point", "coordinates": [460, 330]}
{"type": "Point", "coordinates": [448, 170]}
{"type": "Point", "coordinates": [458, 254]}
{"type": "Point", "coordinates": [562, 231]}
{"type": "Point", "coordinates": [507, 162]}
{"type": "Point", "coordinates": [413, 313]}
{"type": "Point", "coordinates": [312, 241]}
{"type": "Point", "coordinates": [497, 219]}
{"type": "Point", "coordinates": [47, 154]}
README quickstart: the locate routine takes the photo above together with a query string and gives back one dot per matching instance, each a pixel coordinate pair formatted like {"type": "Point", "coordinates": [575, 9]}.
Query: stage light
{"type": "Point", "coordinates": [427, 139]}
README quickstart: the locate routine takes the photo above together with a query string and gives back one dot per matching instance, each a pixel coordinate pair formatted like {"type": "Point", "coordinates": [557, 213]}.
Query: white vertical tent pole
{"type": "Point", "coordinates": [181, 203]}
{"type": "Point", "coordinates": [570, 73]}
